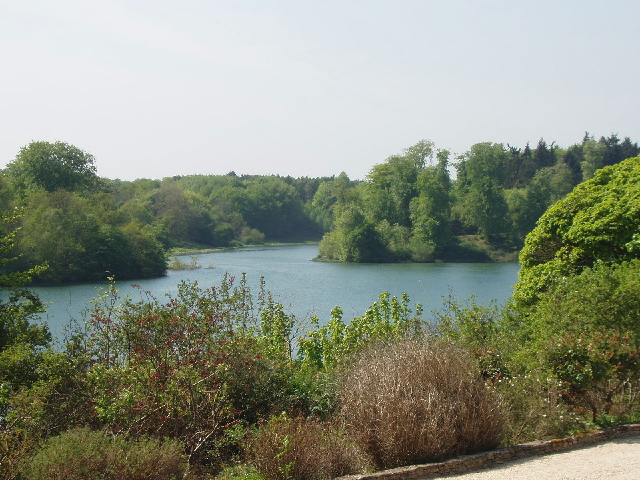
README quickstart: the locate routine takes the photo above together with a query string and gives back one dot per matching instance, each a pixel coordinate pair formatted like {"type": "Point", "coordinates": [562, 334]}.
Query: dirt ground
{"type": "Point", "coordinates": [615, 460]}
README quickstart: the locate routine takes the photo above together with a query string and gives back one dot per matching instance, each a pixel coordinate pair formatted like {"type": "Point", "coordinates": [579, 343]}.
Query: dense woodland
{"type": "Point", "coordinates": [411, 207]}
{"type": "Point", "coordinates": [221, 382]}
{"type": "Point", "coordinates": [418, 206]}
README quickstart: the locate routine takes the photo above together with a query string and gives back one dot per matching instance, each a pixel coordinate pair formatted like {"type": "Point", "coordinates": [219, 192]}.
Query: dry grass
{"type": "Point", "coordinates": [415, 402]}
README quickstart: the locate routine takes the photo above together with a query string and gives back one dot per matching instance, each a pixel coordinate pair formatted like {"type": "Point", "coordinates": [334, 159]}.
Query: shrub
{"type": "Point", "coordinates": [302, 449]}
{"type": "Point", "coordinates": [190, 368]}
{"type": "Point", "coordinates": [418, 401]}
{"type": "Point", "coordinates": [83, 454]}
{"type": "Point", "coordinates": [585, 333]}
{"type": "Point", "coordinates": [535, 409]}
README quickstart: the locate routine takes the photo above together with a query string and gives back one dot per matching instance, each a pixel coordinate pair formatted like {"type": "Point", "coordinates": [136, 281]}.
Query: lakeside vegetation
{"type": "Point", "coordinates": [223, 382]}
{"type": "Point", "coordinates": [409, 208]}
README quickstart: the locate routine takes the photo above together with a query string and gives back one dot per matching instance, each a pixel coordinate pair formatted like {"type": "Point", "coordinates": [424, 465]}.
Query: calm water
{"type": "Point", "coordinates": [306, 287]}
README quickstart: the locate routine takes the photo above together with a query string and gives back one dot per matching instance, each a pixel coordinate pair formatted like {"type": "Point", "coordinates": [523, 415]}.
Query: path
{"type": "Point", "coordinates": [618, 459]}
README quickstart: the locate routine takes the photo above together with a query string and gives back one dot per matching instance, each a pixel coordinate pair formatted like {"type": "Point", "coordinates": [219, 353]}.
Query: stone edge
{"type": "Point", "coordinates": [484, 460]}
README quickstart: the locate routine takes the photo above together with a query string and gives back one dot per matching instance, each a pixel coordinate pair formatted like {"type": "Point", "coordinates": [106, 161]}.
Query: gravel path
{"type": "Point", "coordinates": [615, 460]}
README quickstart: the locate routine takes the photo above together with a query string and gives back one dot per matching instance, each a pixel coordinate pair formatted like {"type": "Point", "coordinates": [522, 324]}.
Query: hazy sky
{"type": "Point", "coordinates": [156, 88]}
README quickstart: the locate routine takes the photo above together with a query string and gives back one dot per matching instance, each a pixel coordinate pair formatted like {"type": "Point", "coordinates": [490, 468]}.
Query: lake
{"type": "Point", "coordinates": [305, 287]}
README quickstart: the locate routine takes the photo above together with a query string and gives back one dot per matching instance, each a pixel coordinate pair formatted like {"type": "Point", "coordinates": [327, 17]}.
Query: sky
{"type": "Point", "coordinates": [155, 88]}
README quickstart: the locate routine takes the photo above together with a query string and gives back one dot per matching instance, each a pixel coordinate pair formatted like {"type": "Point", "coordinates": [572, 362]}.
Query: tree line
{"type": "Point", "coordinates": [86, 228]}
{"type": "Point", "coordinates": [421, 206]}
{"type": "Point", "coordinates": [412, 207]}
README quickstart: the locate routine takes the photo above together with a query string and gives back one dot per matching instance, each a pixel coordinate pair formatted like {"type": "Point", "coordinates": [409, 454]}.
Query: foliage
{"type": "Point", "coordinates": [54, 166]}
{"type": "Point", "coordinates": [21, 339]}
{"type": "Point", "coordinates": [83, 454]}
{"type": "Point", "coordinates": [302, 449]}
{"type": "Point", "coordinates": [535, 409]}
{"type": "Point", "coordinates": [596, 222]}
{"type": "Point", "coordinates": [80, 241]}
{"type": "Point", "coordinates": [209, 367]}
{"type": "Point", "coordinates": [326, 346]}
{"type": "Point", "coordinates": [479, 186]}
{"type": "Point", "coordinates": [585, 331]}
{"type": "Point", "coordinates": [408, 209]}
{"type": "Point", "coordinates": [400, 213]}
{"type": "Point", "coordinates": [159, 368]}
{"type": "Point", "coordinates": [24, 354]}
{"type": "Point", "coordinates": [477, 328]}
{"type": "Point", "coordinates": [194, 367]}
{"type": "Point", "coordinates": [499, 193]}
{"type": "Point", "coordinates": [410, 401]}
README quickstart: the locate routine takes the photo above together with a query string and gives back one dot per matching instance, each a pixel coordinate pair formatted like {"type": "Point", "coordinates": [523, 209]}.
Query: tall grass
{"type": "Point", "coordinates": [418, 401]}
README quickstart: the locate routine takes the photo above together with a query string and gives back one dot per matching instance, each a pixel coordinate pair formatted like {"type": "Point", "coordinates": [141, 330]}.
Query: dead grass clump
{"type": "Point", "coordinates": [415, 402]}
{"type": "Point", "coordinates": [302, 449]}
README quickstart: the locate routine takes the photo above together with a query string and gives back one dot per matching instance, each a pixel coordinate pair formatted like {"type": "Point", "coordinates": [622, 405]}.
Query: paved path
{"type": "Point", "coordinates": [615, 460]}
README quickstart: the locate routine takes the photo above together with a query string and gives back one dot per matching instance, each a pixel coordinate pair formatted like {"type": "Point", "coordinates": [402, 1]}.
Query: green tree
{"type": "Point", "coordinates": [273, 207]}
{"type": "Point", "coordinates": [479, 194]}
{"type": "Point", "coordinates": [354, 239]}
{"type": "Point", "coordinates": [20, 308]}
{"type": "Point", "coordinates": [431, 211]}
{"type": "Point", "coordinates": [594, 153]}
{"type": "Point", "coordinates": [24, 355]}
{"type": "Point", "coordinates": [54, 166]}
{"type": "Point", "coordinates": [80, 241]}
{"type": "Point", "coordinates": [390, 188]}
{"type": "Point", "coordinates": [597, 222]}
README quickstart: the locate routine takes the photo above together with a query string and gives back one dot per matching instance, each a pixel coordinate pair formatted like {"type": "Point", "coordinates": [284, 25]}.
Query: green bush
{"type": "Point", "coordinates": [82, 454]}
{"type": "Point", "coordinates": [419, 401]}
{"type": "Point", "coordinates": [302, 449]}
{"type": "Point", "coordinates": [586, 333]}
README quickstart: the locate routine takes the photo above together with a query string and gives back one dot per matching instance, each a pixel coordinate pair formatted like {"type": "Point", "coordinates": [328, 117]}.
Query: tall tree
{"type": "Point", "coordinates": [54, 166]}
{"type": "Point", "coordinates": [479, 188]}
{"type": "Point", "coordinates": [431, 210]}
{"type": "Point", "coordinates": [20, 335]}
{"type": "Point", "coordinates": [391, 187]}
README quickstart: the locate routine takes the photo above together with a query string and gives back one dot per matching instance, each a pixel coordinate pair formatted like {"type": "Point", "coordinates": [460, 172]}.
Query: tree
{"type": "Point", "coordinates": [80, 242]}
{"type": "Point", "coordinates": [54, 166]}
{"type": "Point", "coordinates": [594, 153]}
{"type": "Point", "coordinates": [21, 306]}
{"type": "Point", "coordinates": [391, 187]}
{"type": "Point", "coordinates": [479, 188]}
{"type": "Point", "coordinates": [598, 221]}
{"type": "Point", "coordinates": [273, 207]}
{"type": "Point", "coordinates": [431, 211]}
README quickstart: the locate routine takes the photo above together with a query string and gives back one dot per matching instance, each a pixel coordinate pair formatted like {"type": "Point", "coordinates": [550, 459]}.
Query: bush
{"type": "Point", "coordinates": [535, 409]}
{"type": "Point", "coordinates": [83, 454]}
{"type": "Point", "coordinates": [418, 401]}
{"type": "Point", "coordinates": [302, 449]}
{"type": "Point", "coordinates": [585, 332]}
